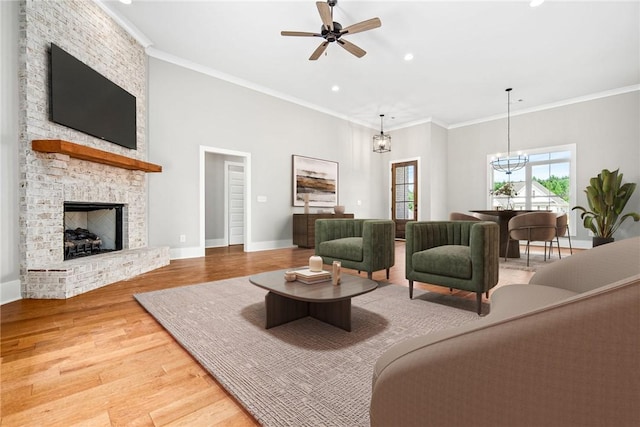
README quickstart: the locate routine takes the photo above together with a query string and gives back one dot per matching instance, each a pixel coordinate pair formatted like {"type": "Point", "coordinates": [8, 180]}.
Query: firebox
{"type": "Point", "coordinates": [91, 228]}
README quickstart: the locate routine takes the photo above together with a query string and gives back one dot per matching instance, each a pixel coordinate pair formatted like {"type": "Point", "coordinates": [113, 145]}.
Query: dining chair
{"type": "Point", "coordinates": [562, 230]}
{"type": "Point", "coordinates": [532, 227]}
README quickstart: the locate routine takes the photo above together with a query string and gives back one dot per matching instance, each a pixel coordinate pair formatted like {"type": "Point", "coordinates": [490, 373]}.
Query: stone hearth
{"type": "Point", "coordinates": [77, 276]}
{"type": "Point", "coordinates": [63, 177]}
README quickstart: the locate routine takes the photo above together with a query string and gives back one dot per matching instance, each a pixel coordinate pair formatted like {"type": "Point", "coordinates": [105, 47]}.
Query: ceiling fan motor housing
{"type": "Point", "coordinates": [329, 35]}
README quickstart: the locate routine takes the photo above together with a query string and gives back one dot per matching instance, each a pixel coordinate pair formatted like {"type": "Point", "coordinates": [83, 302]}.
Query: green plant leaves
{"type": "Point", "coordinates": [607, 198]}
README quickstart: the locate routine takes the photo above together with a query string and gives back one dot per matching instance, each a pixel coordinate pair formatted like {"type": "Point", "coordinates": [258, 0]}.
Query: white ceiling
{"type": "Point", "coordinates": [466, 53]}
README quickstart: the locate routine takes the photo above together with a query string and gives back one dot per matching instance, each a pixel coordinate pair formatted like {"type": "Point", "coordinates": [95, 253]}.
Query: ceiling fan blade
{"type": "Point", "coordinates": [325, 14]}
{"type": "Point", "coordinates": [319, 51]}
{"type": "Point", "coordinates": [352, 48]}
{"type": "Point", "coordinates": [299, 34]}
{"type": "Point", "coordinates": [369, 24]}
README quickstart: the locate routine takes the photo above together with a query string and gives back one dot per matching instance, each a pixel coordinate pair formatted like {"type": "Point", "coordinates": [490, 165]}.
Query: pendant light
{"type": "Point", "coordinates": [510, 163]}
{"type": "Point", "coordinates": [382, 142]}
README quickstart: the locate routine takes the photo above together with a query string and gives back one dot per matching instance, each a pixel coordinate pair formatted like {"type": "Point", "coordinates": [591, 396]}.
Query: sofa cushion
{"type": "Point", "coordinates": [347, 248]}
{"type": "Point", "coordinates": [447, 260]}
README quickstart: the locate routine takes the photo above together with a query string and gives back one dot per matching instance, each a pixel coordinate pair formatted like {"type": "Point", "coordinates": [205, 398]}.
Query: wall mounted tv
{"type": "Point", "coordinates": [83, 99]}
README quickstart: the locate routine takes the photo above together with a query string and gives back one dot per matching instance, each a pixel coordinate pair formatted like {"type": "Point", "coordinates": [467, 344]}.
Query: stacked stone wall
{"type": "Point", "coordinates": [83, 29]}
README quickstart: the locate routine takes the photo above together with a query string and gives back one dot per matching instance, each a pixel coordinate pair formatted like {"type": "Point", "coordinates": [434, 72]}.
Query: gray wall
{"type": "Point", "coordinates": [428, 143]}
{"type": "Point", "coordinates": [9, 176]}
{"type": "Point", "coordinates": [188, 109]}
{"type": "Point", "coordinates": [606, 132]}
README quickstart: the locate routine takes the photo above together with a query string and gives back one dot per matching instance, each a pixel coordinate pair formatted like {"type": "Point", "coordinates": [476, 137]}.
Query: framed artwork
{"type": "Point", "coordinates": [316, 179]}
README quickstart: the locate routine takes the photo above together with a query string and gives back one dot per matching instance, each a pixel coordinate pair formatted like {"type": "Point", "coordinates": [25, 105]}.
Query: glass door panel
{"type": "Point", "coordinates": [404, 195]}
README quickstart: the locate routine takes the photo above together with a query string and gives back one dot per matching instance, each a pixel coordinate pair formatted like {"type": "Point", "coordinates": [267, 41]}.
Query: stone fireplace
{"type": "Point", "coordinates": [69, 166]}
{"type": "Point", "coordinates": [75, 189]}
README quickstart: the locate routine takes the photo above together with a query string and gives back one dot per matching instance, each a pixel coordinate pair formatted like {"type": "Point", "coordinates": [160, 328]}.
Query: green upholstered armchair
{"type": "Point", "coordinates": [361, 244]}
{"type": "Point", "coordinates": [456, 254]}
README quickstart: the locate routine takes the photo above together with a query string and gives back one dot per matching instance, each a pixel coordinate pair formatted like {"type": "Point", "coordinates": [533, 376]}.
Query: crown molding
{"type": "Point", "coordinates": [563, 103]}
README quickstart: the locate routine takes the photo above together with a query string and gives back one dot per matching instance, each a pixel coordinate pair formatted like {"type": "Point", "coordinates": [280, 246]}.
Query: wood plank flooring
{"type": "Point", "coordinates": [99, 359]}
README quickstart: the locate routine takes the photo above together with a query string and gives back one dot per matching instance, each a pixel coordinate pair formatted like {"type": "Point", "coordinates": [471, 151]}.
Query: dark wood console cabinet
{"type": "Point", "coordinates": [304, 227]}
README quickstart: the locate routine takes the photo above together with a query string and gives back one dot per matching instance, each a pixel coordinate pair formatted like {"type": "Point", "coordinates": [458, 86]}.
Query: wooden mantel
{"type": "Point", "coordinates": [92, 154]}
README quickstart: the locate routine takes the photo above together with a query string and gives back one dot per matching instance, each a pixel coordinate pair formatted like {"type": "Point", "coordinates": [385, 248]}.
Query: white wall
{"type": "Point", "coordinates": [428, 143]}
{"type": "Point", "coordinates": [188, 109]}
{"type": "Point", "coordinates": [9, 108]}
{"type": "Point", "coordinates": [606, 132]}
{"type": "Point", "coordinates": [438, 165]}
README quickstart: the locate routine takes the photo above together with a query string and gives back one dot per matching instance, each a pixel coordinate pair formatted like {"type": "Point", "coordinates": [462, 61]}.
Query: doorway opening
{"type": "Point", "coordinates": [217, 209]}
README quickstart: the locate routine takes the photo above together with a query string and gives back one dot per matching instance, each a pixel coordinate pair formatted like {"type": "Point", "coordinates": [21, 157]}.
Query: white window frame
{"type": "Point", "coordinates": [571, 148]}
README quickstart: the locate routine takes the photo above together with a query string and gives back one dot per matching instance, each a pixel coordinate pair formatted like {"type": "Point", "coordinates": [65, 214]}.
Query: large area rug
{"type": "Point", "coordinates": [536, 262]}
{"type": "Point", "coordinates": [304, 373]}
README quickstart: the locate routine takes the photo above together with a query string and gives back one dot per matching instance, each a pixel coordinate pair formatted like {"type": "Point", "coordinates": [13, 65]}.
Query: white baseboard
{"type": "Point", "coordinates": [181, 253]}
{"type": "Point", "coordinates": [10, 291]}
{"type": "Point", "coordinates": [196, 252]}
{"type": "Point", "coordinates": [268, 245]}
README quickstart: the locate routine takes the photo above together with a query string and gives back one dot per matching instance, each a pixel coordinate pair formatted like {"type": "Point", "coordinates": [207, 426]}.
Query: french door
{"type": "Point", "coordinates": [404, 194]}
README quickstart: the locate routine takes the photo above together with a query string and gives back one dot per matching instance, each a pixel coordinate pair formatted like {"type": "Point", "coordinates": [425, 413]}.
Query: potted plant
{"type": "Point", "coordinates": [505, 190]}
{"type": "Point", "coordinates": [607, 198]}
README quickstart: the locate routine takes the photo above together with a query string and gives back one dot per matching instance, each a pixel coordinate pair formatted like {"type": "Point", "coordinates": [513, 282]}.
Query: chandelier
{"type": "Point", "coordinates": [510, 163]}
{"type": "Point", "coordinates": [382, 142]}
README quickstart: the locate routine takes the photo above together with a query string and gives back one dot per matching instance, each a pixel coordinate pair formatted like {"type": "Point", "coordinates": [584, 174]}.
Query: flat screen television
{"type": "Point", "coordinates": [84, 100]}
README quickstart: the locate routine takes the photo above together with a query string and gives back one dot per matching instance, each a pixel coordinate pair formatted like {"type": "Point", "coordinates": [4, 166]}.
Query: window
{"type": "Point", "coordinates": [547, 182]}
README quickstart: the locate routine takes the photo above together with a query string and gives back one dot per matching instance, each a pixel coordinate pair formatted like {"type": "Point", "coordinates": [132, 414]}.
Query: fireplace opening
{"type": "Point", "coordinates": [91, 228]}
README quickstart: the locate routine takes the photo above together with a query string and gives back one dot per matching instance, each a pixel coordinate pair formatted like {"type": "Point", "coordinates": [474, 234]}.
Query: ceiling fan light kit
{"type": "Point", "coordinates": [332, 32]}
{"type": "Point", "coordinates": [381, 142]}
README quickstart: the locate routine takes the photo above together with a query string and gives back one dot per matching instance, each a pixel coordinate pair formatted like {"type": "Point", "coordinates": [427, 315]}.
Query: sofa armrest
{"type": "Point", "coordinates": [484, 244]}
{"type": "Point", "coordinates": [378, 242]}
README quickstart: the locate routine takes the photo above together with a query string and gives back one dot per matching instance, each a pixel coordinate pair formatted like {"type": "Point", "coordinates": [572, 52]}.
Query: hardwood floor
{"type": "Point", "coordinates": [99, 359]}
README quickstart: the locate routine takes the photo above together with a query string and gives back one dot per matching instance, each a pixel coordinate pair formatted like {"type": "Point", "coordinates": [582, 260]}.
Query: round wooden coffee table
{"type": "Point", "coordinates": [288, 301]}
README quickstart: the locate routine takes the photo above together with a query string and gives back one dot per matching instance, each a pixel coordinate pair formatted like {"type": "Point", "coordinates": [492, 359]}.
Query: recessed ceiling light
{"type": "Point", "coordinates": [335, 88]}
{"type": "Point", "coordinates": [536, 3]}
{"type": "Point", "coordinates": [408, 57]}
{"type": "Point", "coordinates": [125, 1]}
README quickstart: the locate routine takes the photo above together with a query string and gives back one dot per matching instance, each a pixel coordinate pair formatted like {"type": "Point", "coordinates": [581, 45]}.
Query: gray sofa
{"type": "Point", "coordinates": [563, 350]}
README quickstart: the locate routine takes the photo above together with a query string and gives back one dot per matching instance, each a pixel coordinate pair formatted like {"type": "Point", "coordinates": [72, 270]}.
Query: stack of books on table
{"type": "Point", "coordinates": [309, 277]}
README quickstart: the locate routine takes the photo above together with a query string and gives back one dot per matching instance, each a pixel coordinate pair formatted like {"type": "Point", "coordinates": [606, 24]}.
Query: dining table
{"type": "Point", "coordinates": [502, 217]}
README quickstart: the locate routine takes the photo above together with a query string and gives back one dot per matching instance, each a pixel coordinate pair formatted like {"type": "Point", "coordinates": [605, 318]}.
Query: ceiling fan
{"type": "Point", "coordinates": [332, 31]}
